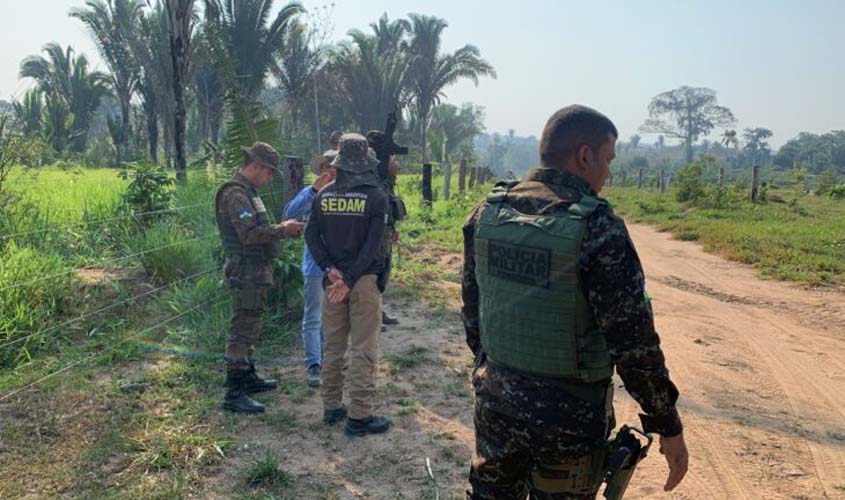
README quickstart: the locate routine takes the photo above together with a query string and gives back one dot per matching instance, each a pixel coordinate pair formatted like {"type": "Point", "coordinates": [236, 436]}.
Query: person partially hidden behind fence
{"type": "Point", "coordinates": [554, 299]}
{"type": "Point", "coordinates": [250, 243]}
{"type": "Point", "coordinates": [300, 208]}
{"type": "Point", "coordinates": [344, 234]}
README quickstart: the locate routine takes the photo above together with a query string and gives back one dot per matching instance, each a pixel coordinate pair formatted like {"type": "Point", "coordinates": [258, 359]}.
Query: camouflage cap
{"type": "Point", "coordinates": [263, 154]}
{"type": "Point", "coordinates": [355, 155]}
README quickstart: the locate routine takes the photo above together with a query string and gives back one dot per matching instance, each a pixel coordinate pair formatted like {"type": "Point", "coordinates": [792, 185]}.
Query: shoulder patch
{"type": "Point", "coordinates": [246, 214]}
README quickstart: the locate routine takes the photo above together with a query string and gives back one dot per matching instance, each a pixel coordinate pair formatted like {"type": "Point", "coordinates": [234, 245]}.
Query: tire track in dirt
{"type": "Point", "coordinates": [772, 333]}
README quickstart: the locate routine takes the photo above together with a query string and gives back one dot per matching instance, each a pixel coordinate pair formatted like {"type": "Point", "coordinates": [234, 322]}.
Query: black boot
{"type": "Point", "coordinates": [237, 400]}
{"type": "Point", "coordinates": [331, 417]}
{"type": "Point", "coordinates": [252, 383]}
{"type": "Point", "coordinates": [369, 425]}
{"type": "Point", "coordinates": [388, 320]}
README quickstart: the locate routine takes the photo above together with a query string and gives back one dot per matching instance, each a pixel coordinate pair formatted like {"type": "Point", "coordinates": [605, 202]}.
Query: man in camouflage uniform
{"type": "Point", "coordinates": [251, 243]}
{"type": "Point", "coordinates": [544, 400]}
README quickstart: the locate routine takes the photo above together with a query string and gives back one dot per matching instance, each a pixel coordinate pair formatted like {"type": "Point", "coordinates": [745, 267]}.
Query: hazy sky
{"type": "Point", "coordinates": [776, 64]}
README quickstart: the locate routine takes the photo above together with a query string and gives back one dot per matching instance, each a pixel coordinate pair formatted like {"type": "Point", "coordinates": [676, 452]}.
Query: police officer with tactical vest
{"type": "Point", "coordinates": [554, 300]}
{"type": "Point", "coordinates": [250, 243]}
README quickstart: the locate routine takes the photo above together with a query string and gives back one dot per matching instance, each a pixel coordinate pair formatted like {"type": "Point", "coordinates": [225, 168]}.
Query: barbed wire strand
{"type": "Point", "coordinates": [104, 309]}
{"type": "Point", "coordinates": [108, 349]}
{"type": "Point", "coordinates": [110, 261]}
{"type": "Point", "coordinates": [98, 222]}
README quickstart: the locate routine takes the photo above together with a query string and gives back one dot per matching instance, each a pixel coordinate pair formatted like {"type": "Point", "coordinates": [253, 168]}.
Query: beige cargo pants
{"type": "Point", "coordinates": [354, 326]}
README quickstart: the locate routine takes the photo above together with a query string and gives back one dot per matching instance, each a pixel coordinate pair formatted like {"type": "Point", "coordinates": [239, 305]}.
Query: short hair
{"type": "Point", "coordinates": [334, 138]}
{"type": "Point", "coordinates": [569, 129]}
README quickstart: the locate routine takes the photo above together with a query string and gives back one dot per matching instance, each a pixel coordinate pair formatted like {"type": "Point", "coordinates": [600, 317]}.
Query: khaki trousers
{"type": "Point", "coordinates": [354, 326]}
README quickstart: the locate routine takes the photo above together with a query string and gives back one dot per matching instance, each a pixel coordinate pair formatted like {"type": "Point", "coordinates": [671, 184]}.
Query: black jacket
{"type": "Point", "coordinates": [346, 229]}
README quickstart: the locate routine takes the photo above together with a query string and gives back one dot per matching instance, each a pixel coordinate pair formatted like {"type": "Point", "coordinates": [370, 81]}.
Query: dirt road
{"type": "Point", "coordinates": [760, 365]}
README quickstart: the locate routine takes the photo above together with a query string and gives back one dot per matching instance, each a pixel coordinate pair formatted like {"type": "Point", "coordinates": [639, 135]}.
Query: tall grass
{"type": "Point", "coordinates": [800, 238]}
{"type": "Point", "coordinates": [64, 221]}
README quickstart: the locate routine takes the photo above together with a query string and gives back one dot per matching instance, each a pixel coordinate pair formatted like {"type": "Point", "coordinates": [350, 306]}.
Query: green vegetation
{"type": "Point", "coordinates": [411, 358]}
{"type": "Point", "coordinates": [798, 237]}
{"type": "Point", "coordinates": [88, 290]}
{"type": "Point", "coordinates": [266, 471]}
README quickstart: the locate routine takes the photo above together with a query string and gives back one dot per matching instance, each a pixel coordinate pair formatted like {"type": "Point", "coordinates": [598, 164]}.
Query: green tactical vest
{"type": "Point", "coordinates": [231, 243]}
{"type": "Point", "coordinates": [534, 315]}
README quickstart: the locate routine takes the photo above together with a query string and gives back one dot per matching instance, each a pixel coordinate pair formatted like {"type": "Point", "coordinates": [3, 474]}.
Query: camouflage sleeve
{"type": "Point", "coordinates": [615, 285]}
{"type": "Point", "coordinates": [243, 218]}
{"type": "Point", "coordinates": [469, 286]}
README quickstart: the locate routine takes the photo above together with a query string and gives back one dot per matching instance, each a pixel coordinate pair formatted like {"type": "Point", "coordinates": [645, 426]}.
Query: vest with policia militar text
{"type": "Point", "coordinates": [231, 243]}
{"type": "Point", "coordinates": [534, 315]}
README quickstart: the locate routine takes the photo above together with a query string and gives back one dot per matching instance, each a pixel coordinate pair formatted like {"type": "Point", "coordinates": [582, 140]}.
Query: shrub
{"type": "Point", "coordinates": [150, 190]}
{"type": "Point", "coordinates": [690, 183]}
{"type": "Point", "coordinates": [837, 192]}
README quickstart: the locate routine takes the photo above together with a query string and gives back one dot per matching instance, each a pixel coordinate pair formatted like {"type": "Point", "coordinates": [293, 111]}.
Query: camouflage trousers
{"type": "Point", "coordinates": [247, 312]}
{"type": "Point", "coordinates": [533, 440]}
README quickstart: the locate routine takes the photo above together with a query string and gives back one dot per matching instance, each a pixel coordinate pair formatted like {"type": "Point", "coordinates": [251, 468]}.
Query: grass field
{"type": "Point", "coordinates": [799, 239]}
{"type": "Point", "coordinates": [86, 291]}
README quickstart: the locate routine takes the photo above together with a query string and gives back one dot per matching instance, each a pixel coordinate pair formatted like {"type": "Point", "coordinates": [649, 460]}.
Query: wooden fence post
{"type": "Point", "coordinates": [661, 182]}
{"type": "Point", "coordinates": [640, 180]}
{"type": "Point", "coordinates": [426, 185]}
{"type": "Point", "coordinates": [721, 177]}
{"type": "Point", "coordinates": [755, 182]}
{"type": "Point", "coordinates": [292, 179]}
{"type": "Point", "coordinates": [462, 176]}
{"type": "Point", "coordinates": [447, 180]}
{"type": "Point", "coordinates": [473, 173]}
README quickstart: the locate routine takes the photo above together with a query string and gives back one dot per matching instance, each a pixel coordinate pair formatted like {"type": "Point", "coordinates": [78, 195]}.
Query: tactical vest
{"type": "Point", "coordinates": [231, 243]}
{"type": "Point", "coordinates": [534, 316]}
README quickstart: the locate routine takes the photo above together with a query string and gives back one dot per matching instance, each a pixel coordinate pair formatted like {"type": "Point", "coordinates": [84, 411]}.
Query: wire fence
{"type": "Point", "coordinates": [104, 309]}
{"type": "Point", "coordinates": [103, 263]}
{"type": "Point", "coordinates": [71, 228]}
{"type": "Point", "coordinates": [100, 222]}
{"type": "Point", "coordinates": [210, 303]}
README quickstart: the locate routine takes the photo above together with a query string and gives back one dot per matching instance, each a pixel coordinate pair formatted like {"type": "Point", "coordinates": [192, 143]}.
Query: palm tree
{"type": "Point", "coordinates": [72, 94]}
{"type": "Point", "coordinates": [112, 24]}
{"type": "Point", "coordinates": [433, 71]}
{"type": "Point", "coordinates": [729, 139]}
{"type": "Point", "coordinates": [756, 144]}
{"type": "Point", "coordinates": [150, 50]}
{"type": "Point", "coordinates": [372, 78]}
{"type": "Point", "coordinates": [180, 17]}
{"type": "Point", "coordinates": [390, 35]}
{"type": "Point", "coordinates": [458, 125]}
{"type": "Point", "coordinates": [208, 91]}
{"type": "Point", "coordinates": [29, 112]}
{"type": "Point", "coordinates": [248, 43]}
{"type": "Point", "coordinates": [295, 68]}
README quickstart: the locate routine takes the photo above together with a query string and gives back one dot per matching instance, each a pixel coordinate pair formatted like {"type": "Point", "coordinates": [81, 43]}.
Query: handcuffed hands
{"type": "Point", "coordinates": [338, 292]}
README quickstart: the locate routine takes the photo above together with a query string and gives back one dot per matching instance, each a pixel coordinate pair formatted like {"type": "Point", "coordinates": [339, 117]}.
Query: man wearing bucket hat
{"type": "Point", "coordinates": [300, 208]}
{"type": "Point", "coordinates": [344, 234]}
{"type": "Point", "coordinates": [250, 243]}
